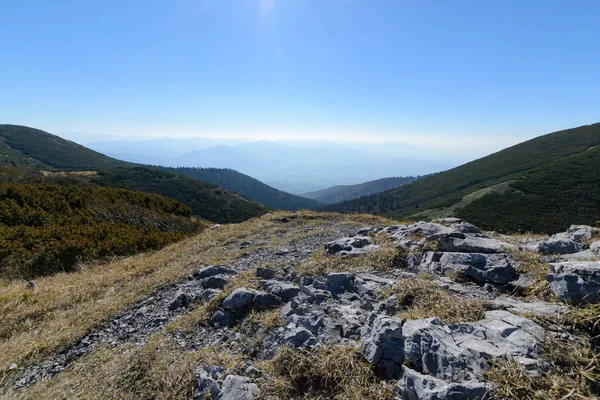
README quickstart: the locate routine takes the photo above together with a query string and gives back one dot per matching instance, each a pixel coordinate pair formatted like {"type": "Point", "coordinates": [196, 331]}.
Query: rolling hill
{"type": "Point", "coordinates": [468, 190]}
{"type": "Point", "coordinates": [248, 187]}
{"type": "Point", "coordinates": [24, 147]}
{"type": "Point", "coordinates": [341, 193]}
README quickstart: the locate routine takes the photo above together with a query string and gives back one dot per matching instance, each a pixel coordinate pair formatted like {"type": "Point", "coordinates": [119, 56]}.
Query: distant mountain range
{"type": "Point", "coordinates": [341, 193]}
{"type": "Point", "coordinates": [541, 185]}
{"type": "Point", "coordinates": [291, 167]}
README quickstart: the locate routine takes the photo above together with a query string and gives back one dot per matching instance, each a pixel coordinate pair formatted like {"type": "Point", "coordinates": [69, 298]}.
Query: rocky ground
{"type": "Point", "coordinates": [426, 310]}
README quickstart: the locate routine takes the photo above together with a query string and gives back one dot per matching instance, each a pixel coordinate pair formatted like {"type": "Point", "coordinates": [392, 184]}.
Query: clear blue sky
{"type": "Point", "coordinates": [416, 70]}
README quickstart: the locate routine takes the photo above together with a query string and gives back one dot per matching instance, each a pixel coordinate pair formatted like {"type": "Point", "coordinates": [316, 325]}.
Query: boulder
{"type": "Point", "coordinates": [417, 386]}
{"type": "Point", "coordinates": [239, 299]}
{"type": "Point", "coordinates": [266, 301]}
{"type": "Point", "coordinates": [493, 268]}
{"type": "Point", "coordinates": [350, 246]}
{"type": "Point", "coordinates": [239, 388]}
{"type": "Point", "coordinates": [556, 246]}
{"type": "Point", "coordinates": [340, 282]}
{"type": "Point", "coordinates": [577, 233]}
{"type": "Point", "coordinates": [576, 282]}
{"type": "Point", "coordinates": [212, 271]}
{"type": "Point", "coordinates": [266, 272]}
{"type": "Point", "coordinates": [181, 300]}
{"type": "Point", "coordinates": [471, 243]}
{"type": "Point", "coordinates": [215, 282]}
{"type": "Point", "coordinates": [382, 345]}
{"type": "Point", "coordinates": [284, 290]}
{"type": "Point", "coordinates": [206, 386]}
{"type": "Point", "coordinates": [224, 318]}
{"type": "Point", "coordinates": [299, 337]}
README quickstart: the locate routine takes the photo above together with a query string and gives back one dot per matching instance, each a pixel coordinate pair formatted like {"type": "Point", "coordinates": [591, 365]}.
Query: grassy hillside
{"type": "Point", "coordinates": [206, 200]}
{"type": "Point", "coordinates": [248, 187]}
{"type": "Point", "coordinates": [23, 147]}
{"type": "Point", "coordinates": [546, 199]}
{"type": "Point", "coordinates": [33, 148]}
{"type": "Point", "coordinates": [50, 227]}
{"type": "Point", "coordinates": [449, 187]}
{"type": "Point", "coordinates": [340, 193]}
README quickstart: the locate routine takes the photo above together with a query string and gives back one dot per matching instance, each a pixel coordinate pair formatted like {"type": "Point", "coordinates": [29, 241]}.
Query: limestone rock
{"type": "Point", "coordinates": [576, 282]}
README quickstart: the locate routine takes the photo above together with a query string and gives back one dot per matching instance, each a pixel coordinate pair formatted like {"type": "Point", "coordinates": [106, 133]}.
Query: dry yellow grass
{"type": "Point", "coordinates": [65, 307]}
{"type": "Point", "coordinates": [338, 372]}
{"type": "Point", "coordinates": [528, 264]}
{"type": "Point", "coordinates": [381, 259]}
{"type": "Point", "coordinates": [419, 298]}
{"type": "Point", "coordinates": [160, 370]}
{"type": "Point", "coordinates": [574, 373]}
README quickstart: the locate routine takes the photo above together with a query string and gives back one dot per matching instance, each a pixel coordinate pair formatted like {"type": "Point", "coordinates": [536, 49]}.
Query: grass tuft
{"type": "Point", "coordinates": [419, 298]}
{"type": "Point", "coordinates": [338, 372]}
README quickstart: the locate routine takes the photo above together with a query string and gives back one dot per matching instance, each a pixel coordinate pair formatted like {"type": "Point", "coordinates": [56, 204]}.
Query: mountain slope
{"type": "Point", "coordinates": [340, 193]}
{"type": "Point", "coordinates": [545, 199]}
{"type": "Point", "coordinates": [25, 147]}
{"type": "Point", "coordinates": [206, 200]}
{"type": "Point", "coordinates": [34, 148]}
{"type": "Point", "coordinates": [448, 188]}
{"type": "Point", "coordinates": [248, 187]}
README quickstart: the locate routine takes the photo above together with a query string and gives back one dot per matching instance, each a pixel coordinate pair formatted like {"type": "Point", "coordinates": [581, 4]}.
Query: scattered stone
{"type": "Point", "coordinates": [206, 386]}
{"type": "Point", "coordinates": [239, 388]}
{"type": "Point", "coordinates": [350, 246]}
{"type": "Point", "coordinates": [31, 285]}
{"type": "Point", "coordinates": [266, 272]}
{"type": "Point", "coordinates": [576, 282]}
{"type": "Point", "coordinates": [181, 300]}
{"type": "Point", "coordinates": [417, 386]}
{"type": "Point", "coordinates": [224, 318]}
{"type": "Point", "coordinates": [494, 268]}
{"type": "Point", "coordinates": [239, 299]}
{"type": "Point", "coordinates": [284, 290]}
{"type": "Point", "coordinates": [13, 367]}
{"type": "Point", "coordinates": [252, 371]}
{"type": "Point", "coordinates": [245, 244]}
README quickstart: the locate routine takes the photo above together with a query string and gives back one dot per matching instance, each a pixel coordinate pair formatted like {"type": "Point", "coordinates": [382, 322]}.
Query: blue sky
{"type": "Point", "coordinates": [485, 73]}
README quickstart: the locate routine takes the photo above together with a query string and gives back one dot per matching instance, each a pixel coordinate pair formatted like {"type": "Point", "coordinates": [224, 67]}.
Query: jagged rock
{"type": "Point", "coordinates": [370, 285]}
{"type": "Point", "coordinates": [577, 233]}
{"type": "Point", "coordinates": [576, 282]}
{"type": "Point", "coordinates": [556, 246]}
{"type": "Point", "coordinates": [471, 243]}
{"type": "Point", "coordinates": [595, 248]}
{"type": "Point", "coordinates": [239, 299]}
{"type": "Point", "coordinates": [266, 301]}
{"type": "Point", "coordinates": [239, 388]}
{"type": "Point", "coordinates": [453, 353]}
{"type": "Point", "coordinates": [367, 231]}
{"type": "Point", "coordinates": [417, 386]}
{"type": "Point", "coordinates": [213, 271]}
{"type": "Point", "coordinates": [351, 246]}
{"type": "Point", "coordinates": [494, 268]}
{"type": "Point", "coordinates": [284, 290]}
{"type": "Point", "coordinates": [340, 282]}
{"type": "Point", "coordinates": [181, 300]}
{"type": "Point", "coordinates": [266, 272]}
{"type": "Point", "coordinates": [382, 344]}
{"type": "Point", "coordinates": [299, 337]}
{"type": "Point", "coordinates": [224, 318]}
{"type": "Point", "coordinates": [215, 282]}
{"type": "Point", "coordinates": [252, 371]}
{"type": "Point", "coordinates": [465, 227]}
{"type": "Point", "coordinates": [206, 386]}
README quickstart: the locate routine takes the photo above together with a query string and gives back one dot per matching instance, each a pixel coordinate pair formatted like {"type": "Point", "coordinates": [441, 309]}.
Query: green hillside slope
{"type": "Point", "coordinates": [248, 187]}
{"type": "Point", "coordinates": [37, 149]}
{"type": "Point", "coordinates": [546, 199]}
{"type": "Point", "coordinates": [340, 193]}
{"type": "Point", "coordinates": [449, 187]}
{"type": "Point", "coordinates": [206, 200]}
{"type": "Point", "coordinates": [24, 147]}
